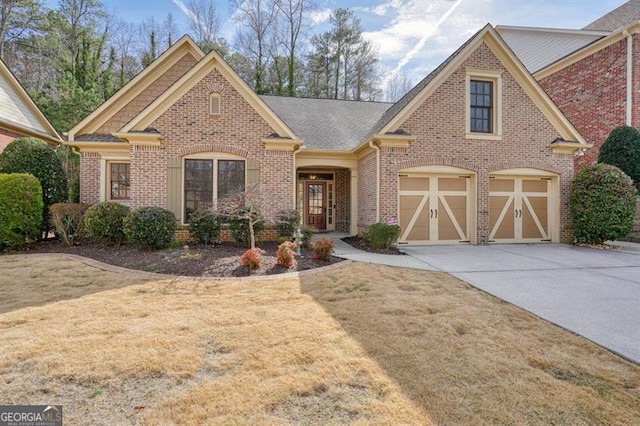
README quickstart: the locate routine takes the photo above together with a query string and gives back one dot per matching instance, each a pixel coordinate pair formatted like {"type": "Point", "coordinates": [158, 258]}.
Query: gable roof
{"type": "Point", "coordinates": [540, 47]}
{"type": "Point", "coordinates": [623, 16]}
{"type": "Point", "coordinates": [393, 118]}
{"type": "Point", "coordinates": [19, 113]}
{"type": "Point", "coordinates": [328, 124]}
{"type": "Point", "coordinates": [211, 61]}
{"type": "Point", "coordinates": [182, 47]}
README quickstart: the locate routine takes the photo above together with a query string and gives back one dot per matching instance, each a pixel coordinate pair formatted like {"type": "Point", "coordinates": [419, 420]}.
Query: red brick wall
{"type": "Point", "coordinates": [343, 199]}
{"type": "Point", "coordinates": [188, 128]}
{"type": "Point", "coordinates": [439, 125]}
{"type": "Point", "coordinates": [89, 177]}
{"type": "Point", "coordinates": [148, 95]}
{"type": "Point", "coordinates": [6, 137]}
{"type": "Point", "coordinates": [592, 94]}
{"type": "Point", "coordinates": [367, 191]}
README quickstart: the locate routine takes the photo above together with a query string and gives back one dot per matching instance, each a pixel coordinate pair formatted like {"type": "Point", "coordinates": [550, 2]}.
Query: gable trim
{"type": "Point", "coordinates": [492, 39]}
{"type": "Point", "coordinates": [190, 79]}
{"type": "Point", "coordinates": [51, 136]}
{"type": "Point", "coordinates": [184, 46]}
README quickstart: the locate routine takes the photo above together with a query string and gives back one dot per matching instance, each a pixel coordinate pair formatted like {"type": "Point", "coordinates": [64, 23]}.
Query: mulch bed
{"type": "Point", "coordinates": [359, 243]}
{"type": "Point", "coordinates": [194, 260]}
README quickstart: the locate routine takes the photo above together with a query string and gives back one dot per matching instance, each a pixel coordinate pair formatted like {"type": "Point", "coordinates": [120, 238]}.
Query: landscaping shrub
{"type": "Point", "coordinates": [307, 234]}
{"type": "Point", "coordinates": [382, 235]}
{"type": "Point", "coordinates": [252, 259]}
{"type": "Point", "coordinates": [603, 204]}
{"type": "Point", "coordinates": [105, 222]}
{"type": "Point", "coordinates": [33, 156]}
{"type": "Point", "coordinates": [239, 226]}
{"type": "Point", "coordinates": [204, 225]}
{"type": "Point", "coordinates": [323, 248]}
{"type": "Point", "coordinates": [286, 254]}
{"type": "Point", "coordinates": [150, 227]}
{"type": "Point", "coordinates": [67, 220]}
{"type": "Point", "coordinates": [622, 149]}
{"type": "Point", "coordinates": [287, 223]}
{"type": "Point", "coordinates": [20, 209]}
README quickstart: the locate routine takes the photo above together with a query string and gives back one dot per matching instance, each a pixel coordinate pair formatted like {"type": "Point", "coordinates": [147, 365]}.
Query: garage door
{"type": "Point", "coordinates": [519, 209]}
{"type": "Point", "coordinates": [434, 209]}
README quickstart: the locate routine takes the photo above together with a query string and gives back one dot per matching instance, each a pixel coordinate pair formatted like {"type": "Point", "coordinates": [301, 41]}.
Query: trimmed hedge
{"type": "Point", "coordinates": [105, 222]}
{"type": "Point", "coordinates": [67, 220]}
{"type": "Point", "coordinates": [622, 149]}
{"type": "Point", "coordinates": [287, 223]}
{"type": "Point", "coordinates": [382, 235]}
{"type": "Point", "coordinates": [150, 227]}
{"type": "Point", "coordinates": [33, 156]}
{"type": "Point", "coordinates": [20, 209]}
{"type": "Point", "coordinates": [204, 225]}
{"type": "Point", "coordinates": [603, 204]}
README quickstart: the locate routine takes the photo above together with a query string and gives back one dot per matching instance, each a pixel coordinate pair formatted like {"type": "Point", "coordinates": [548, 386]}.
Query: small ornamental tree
{"type": "Point", "coordinates": [243, 212]}
{"type": "Point", "coordinates": [20, 209]}
{"type": "Point", "coordinates": [33, 156]}
{"type": "Point", "coordinates": [622, 149]}
{"type": "Point", "coordinates": [603, 204]}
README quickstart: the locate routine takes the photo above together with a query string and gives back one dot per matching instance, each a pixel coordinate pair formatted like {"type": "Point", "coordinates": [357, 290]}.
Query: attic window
{"type": "Point", "coordinates": [214, 103]}
{"type": "Point", "coordinates": [483, 104]}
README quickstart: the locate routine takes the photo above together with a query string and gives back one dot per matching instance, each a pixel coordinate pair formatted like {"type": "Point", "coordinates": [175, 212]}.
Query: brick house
{"type": "Point", "coordinates": [475, 153]}
{"type": "Point", "coordinates": [19, 116]}
{"type": "Point", "coordinates": [592, 74]}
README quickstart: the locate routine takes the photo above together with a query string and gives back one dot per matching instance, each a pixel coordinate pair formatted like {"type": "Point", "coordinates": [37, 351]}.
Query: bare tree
{"type": "Point", "coordinates": [293, 12]}
{"type": "Point", "coordinates": [204, 23]}
{"type": "Point", "coordinates": [397, 86]}
{"type": "Point", "coordinates": [245, 206]}
{"type": "Point", "coordinates": [257, 18]}
{"type": "Point", "coordinates": [17, 19]}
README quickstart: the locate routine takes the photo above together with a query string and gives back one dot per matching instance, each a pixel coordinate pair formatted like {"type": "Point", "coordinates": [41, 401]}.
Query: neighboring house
{"type": "Point", "coordinates": [19, 116]}
{"type": "Point", "coordinates": [592, 74]}
{"type": "Point", "coordinates": [475, 153]}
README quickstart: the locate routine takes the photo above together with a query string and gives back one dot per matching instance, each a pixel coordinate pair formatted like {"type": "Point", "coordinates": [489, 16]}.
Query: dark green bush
{"type": "Point", "coordinates": [67, 220]}
{"type": "Point", "coordinates": [307, 234]}
{"type": "Point", "coordinates": [150, 227]}
{"type": "Point", "coordinates": [20, 209]}
{"type": "Point", "coordinates": [603, 204]}
{"type": "Point", "coordinates": [622, 149]}
{"type": "Point", "coordinates": [382, 235]}
{"type": "Point", "coordinates": [204, 225]}
{"type": "Point", "coordinates": [33, 156]}
{"type": "Point", "coordinates": [287, 223]}
{"type": "Point", "coordinates": [105, 222]}
{"type": "Point", "coordinates": [239, 227]}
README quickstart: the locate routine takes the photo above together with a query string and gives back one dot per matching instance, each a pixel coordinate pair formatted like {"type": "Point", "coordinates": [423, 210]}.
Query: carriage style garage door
{"type": "Point", "coordinates": [519, 208]}
{"type": "Point", "coordinates": [434, 209]}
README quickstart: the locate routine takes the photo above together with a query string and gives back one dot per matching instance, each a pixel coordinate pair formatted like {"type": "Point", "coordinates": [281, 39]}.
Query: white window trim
{"type": "Point", "coordinates": [496, 78]}
{"type": "Point", "coordinates": [105, 179]}
{"type": "Point", "coordinates": [215, 156]}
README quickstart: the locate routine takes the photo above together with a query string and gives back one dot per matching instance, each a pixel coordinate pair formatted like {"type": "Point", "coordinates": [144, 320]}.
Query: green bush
{"type": "Point", "coordinates": [20, 209]}
{"type": "Point", "coordinates": [105, 222]}
{"type": "Point", "coordinates": [603, 204]}
{"type": "Point", "coordinates": [239, 227]}
{"type": "Point", "coordinates": [150, 227]}
{"type": "Point", "coordinates": [382, 235]}
{"type": "Point", "coordinates": [33, 156]}
{"type": "Point", "coordinates": [622, 149]}
{"type": "Point", "coordinates": [67, 220]}
{"type": "Point", "coordinates": [204, 225]}
{"type": "Point", "coordinates": [287, 223]}
{"type": "Point", "coordinates": [307, 234]}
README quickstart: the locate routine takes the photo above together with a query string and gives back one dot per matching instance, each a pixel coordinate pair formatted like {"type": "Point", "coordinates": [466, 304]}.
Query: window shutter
{"type": "Point", "coordinates": [253, 173]}
{"type": "Point", "coordinates": [174, 190]}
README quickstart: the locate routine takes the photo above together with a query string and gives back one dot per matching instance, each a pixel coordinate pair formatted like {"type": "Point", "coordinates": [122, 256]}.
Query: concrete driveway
{"type": "Point", "coordinates": [594, 293]}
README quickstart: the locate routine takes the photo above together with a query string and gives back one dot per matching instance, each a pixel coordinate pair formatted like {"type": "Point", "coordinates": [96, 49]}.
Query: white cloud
{"type": "Point", "coordinates": [319, 16]}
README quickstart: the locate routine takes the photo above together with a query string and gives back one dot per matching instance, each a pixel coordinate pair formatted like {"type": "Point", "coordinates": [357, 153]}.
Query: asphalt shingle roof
{"type": "Point", "coordinates": [328, 124]}
{"type": "Point", "coordinates": [98, 137]}
{"type": "Point", "coordinates": [622, 16]}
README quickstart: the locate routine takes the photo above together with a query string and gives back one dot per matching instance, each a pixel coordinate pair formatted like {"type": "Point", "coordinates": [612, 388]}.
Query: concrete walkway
{"type": "Point", "coordinates": [591, 292]}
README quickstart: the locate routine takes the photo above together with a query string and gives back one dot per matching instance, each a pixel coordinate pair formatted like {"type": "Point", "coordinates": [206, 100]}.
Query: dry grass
{"type": "Point", "coordinates": [356, 344]}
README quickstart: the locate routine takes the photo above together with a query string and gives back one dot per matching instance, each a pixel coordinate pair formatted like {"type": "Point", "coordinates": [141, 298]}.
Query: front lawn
{"type": "Point", "coordinates": [356, 343]}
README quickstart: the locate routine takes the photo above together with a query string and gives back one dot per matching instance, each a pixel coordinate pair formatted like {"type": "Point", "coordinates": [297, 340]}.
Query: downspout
{"type": "Point", "coordinates": [629, 76]}
{"type": "Point", "coordinates": [377, 149]}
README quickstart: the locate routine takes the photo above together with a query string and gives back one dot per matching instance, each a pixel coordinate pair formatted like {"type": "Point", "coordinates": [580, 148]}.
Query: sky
{"type": "Point", "coordinates": [412, 36]}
